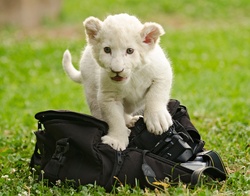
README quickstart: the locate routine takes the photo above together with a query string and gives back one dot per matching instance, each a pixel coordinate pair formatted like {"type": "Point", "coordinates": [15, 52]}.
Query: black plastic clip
{"type": "Point", "coordinates": [62, 147]}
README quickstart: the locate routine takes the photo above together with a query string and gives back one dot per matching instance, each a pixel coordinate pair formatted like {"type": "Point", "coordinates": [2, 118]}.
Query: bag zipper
{"type": "Point", "coordinates": [119, 161]}
{"type": "Point", "coordinates": [159, 158]}
{"type": "Point", "coordinates": [117, 167]}
{"type": "Point", "coordinates": [174, 164]}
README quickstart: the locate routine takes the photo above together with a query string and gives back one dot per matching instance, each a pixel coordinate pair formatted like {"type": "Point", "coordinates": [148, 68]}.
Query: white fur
{"type": "Point", "coordinates": [119, 82]}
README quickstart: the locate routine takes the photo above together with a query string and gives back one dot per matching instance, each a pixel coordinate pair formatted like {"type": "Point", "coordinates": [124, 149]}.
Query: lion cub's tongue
{"type": "Point", "coordinates": [118, 78]}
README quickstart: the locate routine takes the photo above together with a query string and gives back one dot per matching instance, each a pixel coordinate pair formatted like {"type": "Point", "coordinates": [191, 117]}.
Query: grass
{"type": "Point", "coordinates": [208, 44]}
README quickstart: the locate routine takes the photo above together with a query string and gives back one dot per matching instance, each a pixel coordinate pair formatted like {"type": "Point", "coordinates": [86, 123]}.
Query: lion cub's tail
{"type": "Point", "coordinates": [73, 73]}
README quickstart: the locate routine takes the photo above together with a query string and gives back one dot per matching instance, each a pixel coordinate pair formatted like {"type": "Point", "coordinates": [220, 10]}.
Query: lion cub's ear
{"type": "Point", "coordinates": [151, 33]}
{"type": "Point", "coordinates": [92, 27]}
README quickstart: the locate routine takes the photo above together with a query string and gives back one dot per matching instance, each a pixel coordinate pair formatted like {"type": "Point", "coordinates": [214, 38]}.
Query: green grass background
{"type": "Point", "coordinates": [208, 44]}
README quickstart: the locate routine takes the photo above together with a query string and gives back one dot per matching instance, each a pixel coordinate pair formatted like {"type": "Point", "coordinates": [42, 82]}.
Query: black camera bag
{"type": "Point", "coordinates": [69, 149]}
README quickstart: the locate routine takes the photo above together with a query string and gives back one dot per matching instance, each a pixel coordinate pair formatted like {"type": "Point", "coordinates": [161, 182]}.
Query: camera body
{"type": "Point", "coordinates": [170, 145]}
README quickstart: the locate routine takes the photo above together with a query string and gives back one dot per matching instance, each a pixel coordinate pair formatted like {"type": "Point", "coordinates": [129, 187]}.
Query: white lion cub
{"type": "Point", "coordinates": [123, 69]}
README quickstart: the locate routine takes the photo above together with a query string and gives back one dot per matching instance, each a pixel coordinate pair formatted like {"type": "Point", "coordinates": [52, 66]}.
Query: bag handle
{"type": "Point", "coordinates": [216, 170]}
{"type": "Point", "coordinates": [212, 172]}
{"type": "Point", "coordinates": [214, 160]}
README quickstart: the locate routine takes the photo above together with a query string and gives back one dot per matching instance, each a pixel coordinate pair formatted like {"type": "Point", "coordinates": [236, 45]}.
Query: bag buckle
{"type": "Point", "coordinates": [62, 147]}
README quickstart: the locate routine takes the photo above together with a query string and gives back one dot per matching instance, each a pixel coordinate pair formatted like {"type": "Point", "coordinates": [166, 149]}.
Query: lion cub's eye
{"type": "Point", "coordinates": [130, 51]}
{"type": "Point", "coordinates": [107, 50]}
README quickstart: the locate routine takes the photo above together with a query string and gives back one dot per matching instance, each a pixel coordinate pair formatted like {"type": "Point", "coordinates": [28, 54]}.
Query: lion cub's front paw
{"type": "Point", "coordinates": [158, 122]}
{"type": "Point", "coordinates": [117, 143]}
{"type": "Point", "coordinates": [133, 120]}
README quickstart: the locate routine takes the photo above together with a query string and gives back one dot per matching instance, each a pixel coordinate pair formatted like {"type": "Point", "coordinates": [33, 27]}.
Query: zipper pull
{"type": "Point", "coordinates": [119, 157]}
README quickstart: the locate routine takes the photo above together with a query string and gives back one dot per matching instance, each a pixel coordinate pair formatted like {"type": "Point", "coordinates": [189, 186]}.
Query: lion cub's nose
{"type": "Point", "coordinates": [117, 71]}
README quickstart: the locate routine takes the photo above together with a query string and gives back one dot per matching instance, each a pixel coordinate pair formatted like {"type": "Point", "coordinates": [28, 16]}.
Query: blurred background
{"type": "Point", "coordinates": [207, 42]}
{"type": "Point", "coordinates": [31, 13]}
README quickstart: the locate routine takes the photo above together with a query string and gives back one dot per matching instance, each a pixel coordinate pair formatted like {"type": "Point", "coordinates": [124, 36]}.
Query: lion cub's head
{"type": "Point", "coordinates": [120, 43]}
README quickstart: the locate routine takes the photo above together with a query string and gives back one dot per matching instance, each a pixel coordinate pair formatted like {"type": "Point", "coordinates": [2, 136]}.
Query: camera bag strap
{"type": "Point", "coordinates": [215, 170]}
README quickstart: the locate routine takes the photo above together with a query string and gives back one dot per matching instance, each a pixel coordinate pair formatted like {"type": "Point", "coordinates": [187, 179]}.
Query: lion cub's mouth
{"type": "Point", "coordinates": [118, 78]}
